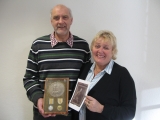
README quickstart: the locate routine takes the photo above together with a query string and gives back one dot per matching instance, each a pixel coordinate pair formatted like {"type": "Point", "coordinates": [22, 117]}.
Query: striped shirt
{"type": "Point", "coordinates": [45, 61]}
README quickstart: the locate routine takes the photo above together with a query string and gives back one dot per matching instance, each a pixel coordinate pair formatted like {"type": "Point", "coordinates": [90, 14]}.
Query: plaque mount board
{"type": "Point", "coordinates": [56, 96]}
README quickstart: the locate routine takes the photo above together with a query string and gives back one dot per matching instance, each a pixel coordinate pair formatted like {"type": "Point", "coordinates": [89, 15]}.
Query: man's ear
{"type": "Point", "coordinates": [71, 20]}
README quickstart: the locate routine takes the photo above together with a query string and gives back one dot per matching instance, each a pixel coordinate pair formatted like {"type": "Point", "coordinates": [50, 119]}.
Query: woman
{"type": "Point", "coordinates": [112, 94]}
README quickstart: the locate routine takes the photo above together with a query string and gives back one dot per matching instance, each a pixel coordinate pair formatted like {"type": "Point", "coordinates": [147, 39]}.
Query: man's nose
{"type": "Point", "coordinates": [61, 20]}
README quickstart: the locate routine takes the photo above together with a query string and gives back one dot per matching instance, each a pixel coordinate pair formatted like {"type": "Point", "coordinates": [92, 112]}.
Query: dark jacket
{"type": "Point", "coordinates": [116, 92]}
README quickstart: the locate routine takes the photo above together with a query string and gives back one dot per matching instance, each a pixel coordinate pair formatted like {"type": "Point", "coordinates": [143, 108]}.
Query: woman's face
{"type": "Point", "coordinates": [102, 52]}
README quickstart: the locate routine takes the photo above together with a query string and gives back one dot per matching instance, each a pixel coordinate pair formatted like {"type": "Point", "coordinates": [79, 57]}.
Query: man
{"type": "Point", "coordinates": [57, 55]}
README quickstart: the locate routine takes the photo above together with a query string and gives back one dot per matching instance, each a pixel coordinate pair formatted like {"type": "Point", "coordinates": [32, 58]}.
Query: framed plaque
{"type": "Point", "coordinates": [56, 96]}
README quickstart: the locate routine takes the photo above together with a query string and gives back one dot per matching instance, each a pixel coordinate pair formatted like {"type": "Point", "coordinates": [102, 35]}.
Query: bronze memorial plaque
{"type": "Point", "coordinates": [56, 95]}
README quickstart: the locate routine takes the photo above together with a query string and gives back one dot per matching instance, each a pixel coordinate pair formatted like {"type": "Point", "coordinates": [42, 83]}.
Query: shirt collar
{"type": "Point", "coordinates": [108, 68]}
{"type": "Point", "coordinates": [54, 41]}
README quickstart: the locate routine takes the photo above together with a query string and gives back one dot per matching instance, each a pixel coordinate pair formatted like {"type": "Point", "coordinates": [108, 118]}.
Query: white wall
{"type": "Point", "coordinates": [136, 24]}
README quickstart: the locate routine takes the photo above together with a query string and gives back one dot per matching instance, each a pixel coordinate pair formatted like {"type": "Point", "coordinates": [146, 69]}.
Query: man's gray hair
{"type": "Point", "coordinates": [70, 12]}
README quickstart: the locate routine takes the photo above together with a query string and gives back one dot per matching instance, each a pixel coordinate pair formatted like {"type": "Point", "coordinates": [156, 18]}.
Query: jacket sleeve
{"type": "Point", "coordinates": [127, 100]}
{"type": "Point", "coordinates": [31, 77]}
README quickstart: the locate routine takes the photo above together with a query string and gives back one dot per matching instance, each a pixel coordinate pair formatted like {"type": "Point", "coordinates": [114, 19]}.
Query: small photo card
{"type": "Point", "coordinates": [78, 97]}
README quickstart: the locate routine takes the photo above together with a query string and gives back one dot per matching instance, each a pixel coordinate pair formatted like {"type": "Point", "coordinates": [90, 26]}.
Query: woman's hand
{"type": "Point", "coordinates": [93, 105]}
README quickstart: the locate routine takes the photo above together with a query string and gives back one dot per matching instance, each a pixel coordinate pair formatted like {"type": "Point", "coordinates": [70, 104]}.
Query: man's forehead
{"type": "Point", "coordinates": [60, 12]}
{"type": "Point", "coordinates": [60, 8]}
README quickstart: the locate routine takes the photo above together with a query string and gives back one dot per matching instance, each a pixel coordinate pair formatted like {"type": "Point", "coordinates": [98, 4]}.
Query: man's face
{"type": "Point", "coordinates": [61, 20]}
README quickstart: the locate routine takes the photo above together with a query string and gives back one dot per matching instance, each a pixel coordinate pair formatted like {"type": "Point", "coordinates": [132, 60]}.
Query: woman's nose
{"type": "Point", "coordinates": [100, 49]}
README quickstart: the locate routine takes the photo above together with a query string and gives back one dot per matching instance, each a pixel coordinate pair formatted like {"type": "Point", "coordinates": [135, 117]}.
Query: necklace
{"type": "Point", "coordinates": [96, 71]}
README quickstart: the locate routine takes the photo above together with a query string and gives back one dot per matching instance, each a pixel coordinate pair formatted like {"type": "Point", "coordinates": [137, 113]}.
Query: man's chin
{"type": "Point", "coordinates": [62, 33]}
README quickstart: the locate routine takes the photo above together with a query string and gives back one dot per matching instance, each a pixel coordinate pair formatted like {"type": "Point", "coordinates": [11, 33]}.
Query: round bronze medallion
{"type": "Point", "coordinates": [56, 89]}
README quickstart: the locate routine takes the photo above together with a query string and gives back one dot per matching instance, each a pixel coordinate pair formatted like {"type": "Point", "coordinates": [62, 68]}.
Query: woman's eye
{"type": "Point", "coordinates": [97, 46]}
{"type": "Point", "coordinates": [106, 48]}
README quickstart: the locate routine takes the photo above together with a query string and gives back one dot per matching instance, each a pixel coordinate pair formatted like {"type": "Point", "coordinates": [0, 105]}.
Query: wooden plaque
{"type": "Point", "coordinates": [56, 96]}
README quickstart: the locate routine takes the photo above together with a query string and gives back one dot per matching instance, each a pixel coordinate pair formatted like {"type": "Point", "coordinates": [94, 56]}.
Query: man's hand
{"type": "Point", "coordinates": [41, 110]}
